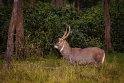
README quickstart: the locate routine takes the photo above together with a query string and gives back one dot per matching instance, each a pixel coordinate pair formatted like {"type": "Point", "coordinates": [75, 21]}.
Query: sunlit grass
{"type": "Point", "coordinates": [46, 70]}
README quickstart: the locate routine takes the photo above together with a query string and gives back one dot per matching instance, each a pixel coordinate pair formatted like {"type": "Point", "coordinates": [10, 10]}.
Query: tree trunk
{"type": "Point", "coordinates": [20, 31]}
{"type": "Point", "coordinates": [16, 22]}
{"type": "Point", "coordinates": [31, 2]}
{"type": "Point", "coordinates": [108, 43]}
{"type": "Point", "coordinates": [77, 5]}
{"type": "Point", "coordinates": [10, 44]}
{"type": "Point", "coordinates": [117, 2]}
{"type": "Point", "coordinates": [64, 2]}
{"type": "Point", "coordinates": [5, 2]}
{"type": "Point", "coordinates": [58, 3]}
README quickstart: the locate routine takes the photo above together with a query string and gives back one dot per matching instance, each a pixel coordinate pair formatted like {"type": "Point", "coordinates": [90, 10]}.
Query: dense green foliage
{"type": "Point", "coordinates": [44, 24]}
{"type": "Point", "coordinates": [5, 13]}
{"type": "Point", "coordinates": [41, 70]}
{"type": "Point", "coordinates": [117, 24]}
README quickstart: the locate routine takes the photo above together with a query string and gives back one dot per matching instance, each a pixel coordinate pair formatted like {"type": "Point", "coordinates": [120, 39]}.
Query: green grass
{"type": "Point", "coordinates": [47, 70]}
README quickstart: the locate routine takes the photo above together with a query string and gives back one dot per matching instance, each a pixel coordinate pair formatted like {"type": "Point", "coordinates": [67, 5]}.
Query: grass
{"type": "Point", "coordinates": [53, 70]}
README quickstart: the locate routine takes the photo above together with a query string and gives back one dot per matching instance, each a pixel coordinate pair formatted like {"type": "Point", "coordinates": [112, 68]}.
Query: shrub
{"type": "Point", "coordinates": [44, 24]}
{"type": "Point", "coordinates": [4, 21]}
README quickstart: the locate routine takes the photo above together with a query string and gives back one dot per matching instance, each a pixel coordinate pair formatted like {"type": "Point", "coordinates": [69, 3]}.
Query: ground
{"type": "Point", "coordinates": [57, 70]}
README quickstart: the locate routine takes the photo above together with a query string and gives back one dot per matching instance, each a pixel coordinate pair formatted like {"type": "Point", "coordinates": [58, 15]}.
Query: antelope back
{"type": "Point", "coordinates": [89, 55]}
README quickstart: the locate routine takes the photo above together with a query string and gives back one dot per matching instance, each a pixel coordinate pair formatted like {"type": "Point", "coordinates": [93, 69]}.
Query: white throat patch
{"type": "Point", "coordinates": [55, 46]}
{"type": "Point", "coordinates": [62, 47]}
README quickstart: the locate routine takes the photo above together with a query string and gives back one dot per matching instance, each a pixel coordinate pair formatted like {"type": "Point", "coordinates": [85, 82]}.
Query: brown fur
{"type": "Point", "coordinates": [91, 55]}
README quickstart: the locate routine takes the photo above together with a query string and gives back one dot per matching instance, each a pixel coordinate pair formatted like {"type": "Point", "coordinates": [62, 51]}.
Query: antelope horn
{"type": "Point", "coordinates": [68, 32]}
{"type": "Point", "coordinates": [65, 33]}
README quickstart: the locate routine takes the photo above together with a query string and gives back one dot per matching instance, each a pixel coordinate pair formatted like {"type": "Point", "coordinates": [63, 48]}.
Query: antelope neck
{"type": "Point", "coordinates": [62, 47]}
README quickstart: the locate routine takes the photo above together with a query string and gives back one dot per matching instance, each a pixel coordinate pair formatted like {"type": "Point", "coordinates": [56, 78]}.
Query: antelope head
{"type": "Point", "coordinates": [62, 41]}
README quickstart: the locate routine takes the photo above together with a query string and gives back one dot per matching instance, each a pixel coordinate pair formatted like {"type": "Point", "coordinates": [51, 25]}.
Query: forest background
{"type": "Point", "coordinates": [43, 22]}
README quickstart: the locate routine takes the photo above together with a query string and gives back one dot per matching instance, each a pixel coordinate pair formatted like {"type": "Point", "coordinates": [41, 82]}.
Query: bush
{"type": "Point", "coordinates": [4, 22]}
{"type": "Point", "coordinates": [117, 24]}
{"type": "Point", "coordinates": [44, 24]}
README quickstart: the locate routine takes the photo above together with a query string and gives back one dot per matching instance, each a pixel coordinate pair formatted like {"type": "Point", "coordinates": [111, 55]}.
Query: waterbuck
{"type": "Point", "coordinates": [91, 55]}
